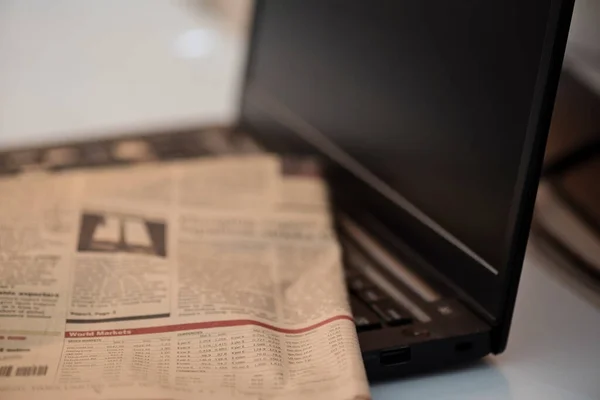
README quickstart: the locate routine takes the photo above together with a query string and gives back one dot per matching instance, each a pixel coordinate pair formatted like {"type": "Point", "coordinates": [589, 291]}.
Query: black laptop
{"type": "Point", "coordinates": [430, 118]}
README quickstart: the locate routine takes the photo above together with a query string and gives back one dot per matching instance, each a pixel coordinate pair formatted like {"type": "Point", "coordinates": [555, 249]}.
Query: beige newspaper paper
{"type": "Point", "coordinates": [210, 279]}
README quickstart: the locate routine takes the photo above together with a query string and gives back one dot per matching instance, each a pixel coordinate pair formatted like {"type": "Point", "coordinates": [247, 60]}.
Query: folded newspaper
{"type": "Point", "coordinates": [209, 279]}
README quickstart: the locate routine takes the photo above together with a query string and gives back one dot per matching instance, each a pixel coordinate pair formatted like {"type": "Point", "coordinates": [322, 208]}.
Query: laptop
{"type": "Point", "coordinates": [430, 119]}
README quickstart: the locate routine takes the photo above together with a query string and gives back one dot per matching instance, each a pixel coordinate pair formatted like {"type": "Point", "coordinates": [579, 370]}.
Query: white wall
{"type": "Point", "coordinates": [73, 68]}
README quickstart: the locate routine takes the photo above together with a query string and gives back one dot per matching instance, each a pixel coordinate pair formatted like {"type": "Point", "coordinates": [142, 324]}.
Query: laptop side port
{"type": "Point", "coordinates": [399, 356]}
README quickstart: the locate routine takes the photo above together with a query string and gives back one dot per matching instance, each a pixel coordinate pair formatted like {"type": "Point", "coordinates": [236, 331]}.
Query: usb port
{"type": "Point", "coordinates": [395, 357]}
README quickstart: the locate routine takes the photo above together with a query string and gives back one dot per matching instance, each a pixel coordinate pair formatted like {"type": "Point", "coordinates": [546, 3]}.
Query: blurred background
{"type": "Point", "coordinates": [71, 69]}
{"type": "Point", "coordinates": [74, 69]}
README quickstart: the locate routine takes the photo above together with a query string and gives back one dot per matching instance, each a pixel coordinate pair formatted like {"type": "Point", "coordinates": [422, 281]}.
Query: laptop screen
{"type": "Point", "coordinates": [426, 104]}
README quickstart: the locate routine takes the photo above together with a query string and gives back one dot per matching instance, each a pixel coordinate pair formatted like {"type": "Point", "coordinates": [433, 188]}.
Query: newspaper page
{"type": "Point", "coordinates": [218, 278]}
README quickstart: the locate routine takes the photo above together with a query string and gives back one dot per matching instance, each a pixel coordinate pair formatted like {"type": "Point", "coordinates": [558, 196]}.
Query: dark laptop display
{"type": "Point", "coordinates": [433, 115]}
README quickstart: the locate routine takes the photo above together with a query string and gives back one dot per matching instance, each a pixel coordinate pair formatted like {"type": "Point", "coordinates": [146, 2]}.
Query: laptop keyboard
{"type": "Point", "coordinates": [372, 308]}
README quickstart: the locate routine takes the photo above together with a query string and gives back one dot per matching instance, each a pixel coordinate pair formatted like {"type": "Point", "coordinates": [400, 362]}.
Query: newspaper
{"type": "Point", "coordinates": [210, 279]}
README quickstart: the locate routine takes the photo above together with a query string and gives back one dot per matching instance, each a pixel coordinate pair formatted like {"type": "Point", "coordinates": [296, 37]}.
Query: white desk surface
{"type": "Point", "coordinates": [71, 70]}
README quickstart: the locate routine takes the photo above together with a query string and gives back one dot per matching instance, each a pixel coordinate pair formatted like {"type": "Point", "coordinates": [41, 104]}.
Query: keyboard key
{"type": "Point", "coordinates": [359, 283]}
{"type": "Point", "coordinates": [170, 146]}
{"type": "Point", "coordinates": [132, 150]}
{"type": "Point", "coordinates": [391, 313]}
{"type": "Point", "coordinates": [364, 319]}
{"type": "Point", "coordinates": [95, 154]}
{"type": "Point", "coordinates": [372, 295]}
{"type": "Point", "coordinates": [61, 157]}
